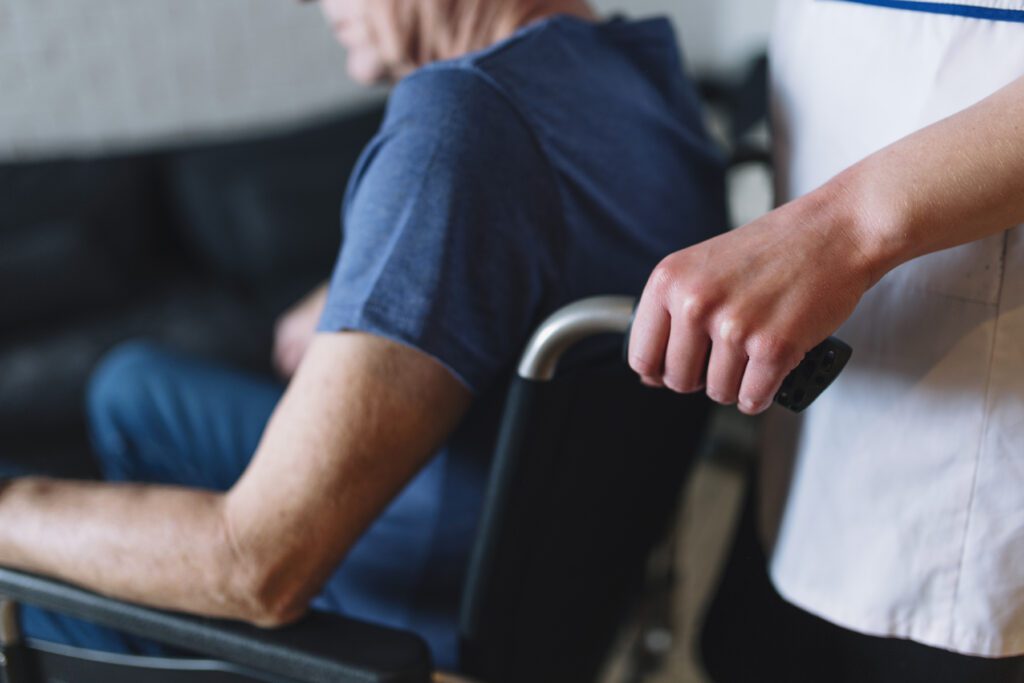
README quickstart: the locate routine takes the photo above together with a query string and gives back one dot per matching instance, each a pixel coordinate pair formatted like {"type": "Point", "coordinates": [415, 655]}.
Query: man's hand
{"type": "Point", "coordinates": [756, 299]}
{"type": "Point", "coordinates": [295, 329]}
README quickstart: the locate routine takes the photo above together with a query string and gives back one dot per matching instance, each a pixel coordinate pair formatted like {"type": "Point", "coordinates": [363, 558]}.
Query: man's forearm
{"type": "Point", "coordinates": [162, 546]}
{"type": "Point", "coordinates": [957, 181]}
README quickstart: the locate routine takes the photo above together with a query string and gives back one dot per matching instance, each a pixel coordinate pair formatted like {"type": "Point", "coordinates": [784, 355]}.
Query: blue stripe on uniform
{"type": "Point", "coordinates": [971, 11]}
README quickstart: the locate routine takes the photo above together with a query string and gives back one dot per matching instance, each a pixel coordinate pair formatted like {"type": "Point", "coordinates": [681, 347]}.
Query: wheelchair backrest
{"type": "Point", "coordinates": [584, 482]}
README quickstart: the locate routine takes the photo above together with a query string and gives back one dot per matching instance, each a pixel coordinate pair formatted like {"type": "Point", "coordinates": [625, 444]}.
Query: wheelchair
{"type": "Point", "coordinates": [583, 484]}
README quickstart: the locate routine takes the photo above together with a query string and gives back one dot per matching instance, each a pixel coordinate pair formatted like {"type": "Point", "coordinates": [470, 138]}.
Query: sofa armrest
{"type": "Point", "coordinates": [321, 647]}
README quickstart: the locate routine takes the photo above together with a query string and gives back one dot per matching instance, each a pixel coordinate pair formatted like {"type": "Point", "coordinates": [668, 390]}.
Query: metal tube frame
{"type": "Point", "coordinates": [570, 325]}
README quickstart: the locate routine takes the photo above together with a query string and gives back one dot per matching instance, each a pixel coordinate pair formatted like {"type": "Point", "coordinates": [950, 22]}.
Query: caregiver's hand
{"type": "Point", "coordinates": [763, 295]}
{"type": "Point", "coordinates": [757, 299]}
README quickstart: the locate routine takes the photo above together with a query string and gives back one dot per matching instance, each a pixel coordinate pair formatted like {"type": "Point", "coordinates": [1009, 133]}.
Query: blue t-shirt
{"type": "Point", "coordinates": [562, 163]}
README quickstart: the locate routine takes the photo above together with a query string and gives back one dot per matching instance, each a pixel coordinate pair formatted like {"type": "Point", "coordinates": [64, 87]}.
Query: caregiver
{"type": "Point", "coordinates": [900, 503]}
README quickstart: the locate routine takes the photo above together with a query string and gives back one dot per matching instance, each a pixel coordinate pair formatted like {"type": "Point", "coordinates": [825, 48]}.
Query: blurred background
{"type": "Point", "coordinates": [101, 76]}
{"type": "Point", "coordinates": [174, 169]}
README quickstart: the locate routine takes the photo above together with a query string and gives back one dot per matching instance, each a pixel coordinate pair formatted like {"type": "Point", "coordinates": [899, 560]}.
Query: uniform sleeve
{"type": "Point", "coordinates": [453, 233]}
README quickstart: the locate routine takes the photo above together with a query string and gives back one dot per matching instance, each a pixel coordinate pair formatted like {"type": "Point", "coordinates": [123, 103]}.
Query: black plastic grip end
{"type": "Point", "coordinates": [816, 372]}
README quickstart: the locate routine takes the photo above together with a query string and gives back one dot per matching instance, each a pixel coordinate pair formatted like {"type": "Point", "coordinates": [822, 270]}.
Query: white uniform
{"type": "Point", "coordinates": [899, 508]}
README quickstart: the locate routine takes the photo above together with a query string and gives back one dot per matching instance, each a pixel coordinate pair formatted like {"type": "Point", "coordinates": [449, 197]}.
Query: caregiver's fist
{"type": "Point", "coordinates": [735, 314]}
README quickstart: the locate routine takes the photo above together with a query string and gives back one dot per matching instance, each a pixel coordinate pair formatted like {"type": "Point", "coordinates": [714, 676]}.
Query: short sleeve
{"type": "Point", "coordinates": [453, 235]}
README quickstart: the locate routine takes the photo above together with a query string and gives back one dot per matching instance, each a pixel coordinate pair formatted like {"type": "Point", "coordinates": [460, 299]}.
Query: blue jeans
{"type": "Point", "coordinates": [160, 417]}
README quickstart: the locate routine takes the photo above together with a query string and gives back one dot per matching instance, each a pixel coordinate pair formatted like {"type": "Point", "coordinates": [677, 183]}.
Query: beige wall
{"type": "Point", "coordinates": [86, 76]}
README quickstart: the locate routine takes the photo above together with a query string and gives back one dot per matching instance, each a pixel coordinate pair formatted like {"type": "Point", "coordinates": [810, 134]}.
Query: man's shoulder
{"type": "Point", "coordinates": [451, 91]}
{"type": "Point", "coordinates": [458, 107]}
{"type": "Point", "coordinates": [486, 79]}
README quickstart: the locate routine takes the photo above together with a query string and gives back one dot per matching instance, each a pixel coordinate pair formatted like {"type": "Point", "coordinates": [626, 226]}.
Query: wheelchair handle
{"type": "Point", "coordinates": [614, 315]}
{"type": "Point", "coordinates": [570, 325]}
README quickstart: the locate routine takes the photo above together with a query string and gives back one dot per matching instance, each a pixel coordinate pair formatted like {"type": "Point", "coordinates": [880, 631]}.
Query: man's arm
{"type": "Point", "coordinates": [361, 416]}
{"type": "Point", "coordinates": [763, 295]}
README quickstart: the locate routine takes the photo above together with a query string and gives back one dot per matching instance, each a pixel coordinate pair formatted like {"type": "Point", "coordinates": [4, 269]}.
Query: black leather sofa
{"type": "Point", "coordinates": [199, 247]}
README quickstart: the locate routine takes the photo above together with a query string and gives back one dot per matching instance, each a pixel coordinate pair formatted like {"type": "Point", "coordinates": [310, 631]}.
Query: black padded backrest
{"type": "Point", "coordinates": [585, 479]}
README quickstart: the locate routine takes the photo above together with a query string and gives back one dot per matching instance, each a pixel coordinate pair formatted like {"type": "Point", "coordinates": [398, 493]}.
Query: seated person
{"type": "Point", "coordinates": [530, 156]}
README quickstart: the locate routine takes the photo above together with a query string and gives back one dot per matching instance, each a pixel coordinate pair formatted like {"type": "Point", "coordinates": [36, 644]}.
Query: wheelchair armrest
{"type": "Point", "coordinates": [321, 647]}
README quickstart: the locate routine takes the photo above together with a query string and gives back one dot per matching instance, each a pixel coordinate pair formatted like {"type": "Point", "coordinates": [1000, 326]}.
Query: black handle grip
{"type": "Point", "coordinates": [816, 373]}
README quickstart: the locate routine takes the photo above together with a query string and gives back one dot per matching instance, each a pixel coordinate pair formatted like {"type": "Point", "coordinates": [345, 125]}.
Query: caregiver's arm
{"type": "Point", "coordinates": [360, 417]}
{"type": "Point", "coordinates": [763, 295]}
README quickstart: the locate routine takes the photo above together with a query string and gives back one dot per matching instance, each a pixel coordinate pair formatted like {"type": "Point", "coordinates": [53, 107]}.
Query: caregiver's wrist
{"type": "Point", "coordinates": [860, 211]}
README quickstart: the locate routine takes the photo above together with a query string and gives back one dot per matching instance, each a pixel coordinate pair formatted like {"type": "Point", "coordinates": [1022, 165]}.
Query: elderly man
{"type": "Point", "coordinates": [530, 155]}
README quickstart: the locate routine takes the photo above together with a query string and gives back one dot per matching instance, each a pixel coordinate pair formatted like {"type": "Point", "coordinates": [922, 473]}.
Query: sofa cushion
{"type": "Point", "coordinates": [75, 236]}
{"type": "Point", "coordinates": [264, 214]}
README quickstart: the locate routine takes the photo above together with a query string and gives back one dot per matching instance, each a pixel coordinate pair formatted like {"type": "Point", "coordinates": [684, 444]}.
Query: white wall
{"type": "Point", "coordinates": [717, 35]}
{"type": "Point", "coordinates": [87, 75]}
{"type": "Point", "coordinates": [84, 76]}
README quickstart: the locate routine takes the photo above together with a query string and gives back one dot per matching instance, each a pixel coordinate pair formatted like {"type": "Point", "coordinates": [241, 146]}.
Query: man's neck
{"type": "Point", "coordinates": [528, 13]}
{"type": "Point", "coordinates": [491, 24]}
{"type": "Point", "coordinates": [517, 16]}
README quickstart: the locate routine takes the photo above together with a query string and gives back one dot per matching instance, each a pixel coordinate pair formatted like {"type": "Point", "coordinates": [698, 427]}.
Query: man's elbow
{"type": "Point", "coordinates": [263, 585]}
{"type": "Point", "coordinates": [276, 614]}
{"type": "Point", "coordinates": [269, 599]}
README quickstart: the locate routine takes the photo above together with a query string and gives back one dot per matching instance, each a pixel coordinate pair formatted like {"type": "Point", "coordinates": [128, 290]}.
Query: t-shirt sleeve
{"type": "Point", "coordinates": [452, 228]}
